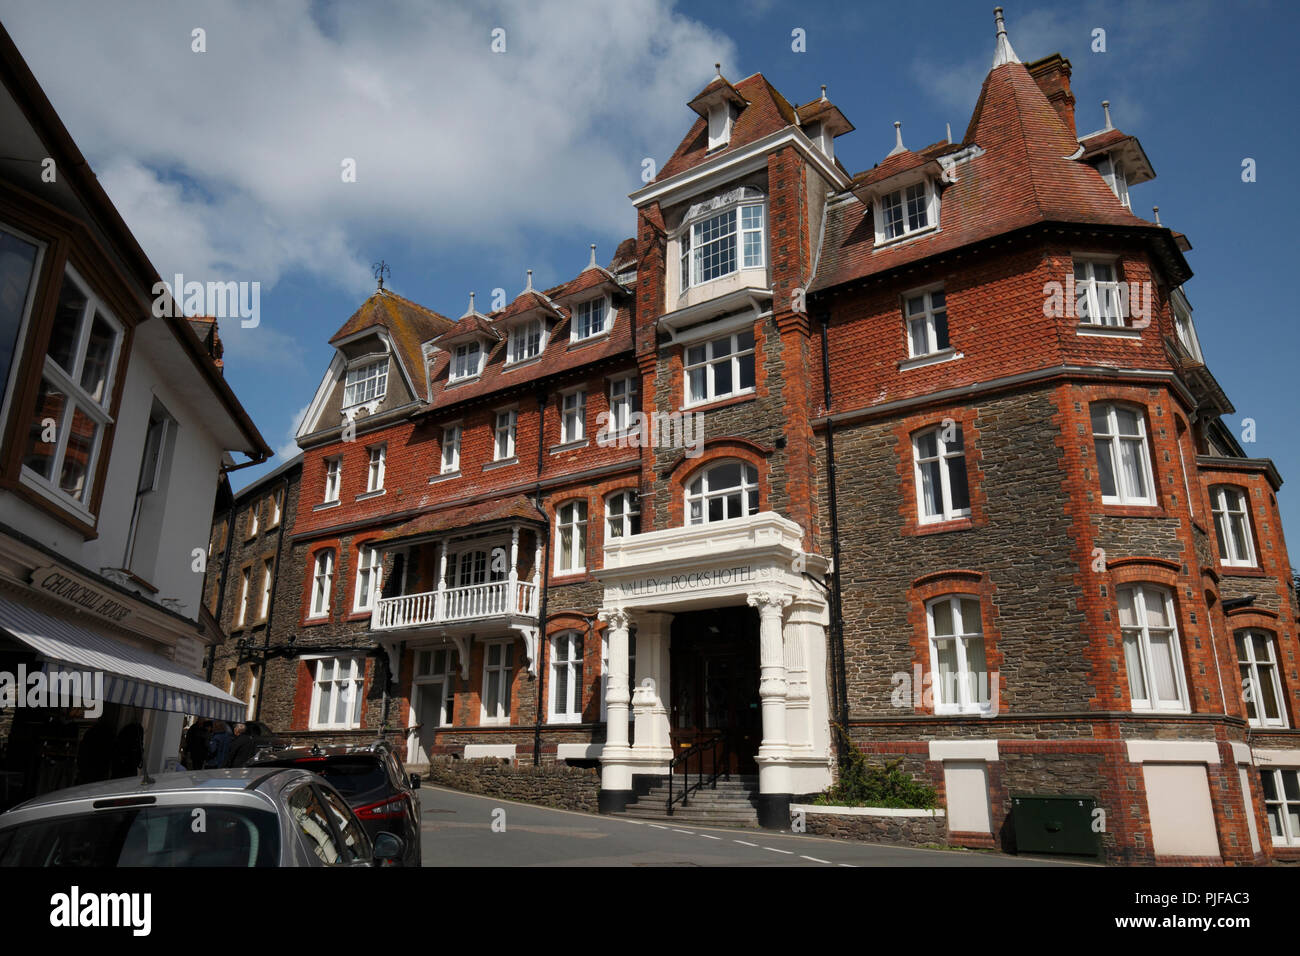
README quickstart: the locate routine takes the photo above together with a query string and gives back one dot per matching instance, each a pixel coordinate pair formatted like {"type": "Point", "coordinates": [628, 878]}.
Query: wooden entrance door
{"type": "Point", "coordinates": [715, 682]}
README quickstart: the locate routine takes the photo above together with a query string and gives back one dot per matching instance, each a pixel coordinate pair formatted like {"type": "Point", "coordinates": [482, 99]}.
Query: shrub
{"type": "Point", "coordinates": [862, 784]}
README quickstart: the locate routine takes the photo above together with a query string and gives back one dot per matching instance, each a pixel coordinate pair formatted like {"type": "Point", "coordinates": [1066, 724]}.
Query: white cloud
{"type": "Point", "coordinates": [289, 447]}
{"type": "Point", "coordinates": [227, 164]}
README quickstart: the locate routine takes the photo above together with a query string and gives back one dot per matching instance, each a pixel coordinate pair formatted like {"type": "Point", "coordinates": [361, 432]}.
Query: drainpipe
{"type": "Point", "coordinates": [840, 703]}
{"type": "Point", "coordinates": [545, 580]}
{"type": "Point", "coordinates": [221, 585]}
{"type": "Point", "coordinates": [270, 600]}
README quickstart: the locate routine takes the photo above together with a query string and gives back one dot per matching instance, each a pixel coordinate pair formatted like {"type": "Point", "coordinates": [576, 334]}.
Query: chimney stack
{"type": "Point", "coordinates": [1052, 74]}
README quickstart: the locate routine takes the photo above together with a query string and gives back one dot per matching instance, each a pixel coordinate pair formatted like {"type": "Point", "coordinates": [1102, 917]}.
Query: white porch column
{"type": "Point", "coordinates": [512, 603]}
{"type": "Point", "coordinates": [616, 771]}
{"type": "Point", "coordinates": [650, 693]}
{"type": "Point", "coordinates": [773, 752]}
{"type": "Point", "coordinates": [797, 631]}
{"type": "Point", "coordinates": [442, 579]}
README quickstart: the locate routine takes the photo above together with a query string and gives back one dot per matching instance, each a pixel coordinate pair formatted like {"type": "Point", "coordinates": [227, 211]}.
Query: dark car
{"type": "Point", "coordinates": [372, 779]}
{"type": "Point", "coordinates": [269, 816]}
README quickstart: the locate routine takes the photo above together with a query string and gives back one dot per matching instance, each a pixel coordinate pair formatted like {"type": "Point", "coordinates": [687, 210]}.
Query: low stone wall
{"type": "Point", "coordinates": [875, 824]}
{"type": "Point", "coordinates": [547, 784]}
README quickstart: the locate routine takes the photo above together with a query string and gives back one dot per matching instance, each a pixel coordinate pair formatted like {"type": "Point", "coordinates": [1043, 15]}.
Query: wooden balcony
{"type": "Point", "coordinates": [507, 600]}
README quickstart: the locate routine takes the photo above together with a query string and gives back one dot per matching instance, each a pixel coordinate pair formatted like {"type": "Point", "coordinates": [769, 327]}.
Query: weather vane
{"type": "Point", "coordinates": [379, 270]}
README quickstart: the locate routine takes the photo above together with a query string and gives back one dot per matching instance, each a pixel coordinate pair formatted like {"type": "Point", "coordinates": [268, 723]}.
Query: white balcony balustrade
{"type": "Point", "coordinates": [474, 601]}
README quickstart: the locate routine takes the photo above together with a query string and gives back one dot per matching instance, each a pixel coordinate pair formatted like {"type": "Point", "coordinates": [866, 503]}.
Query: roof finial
{"type": "Point", "coordinates": [529, 287]}
{"type": "Point", "coordinates": [379, 270]}
{"type": "Point", "coordinates": [823, 91]}
{"type": "Point", "coordinates": [718, 68]}
{"type": "Point", "coordinates": [1156, 210]}
{"type": "Point", "coordinates": [898, 140]}
{"type": "Point", "coordinates": [1003, 54]}
{"type": "Point", "coordinates": [1105, 106]}
{"type": "Point", "coordinates": [592, 263]}
{"type": "Point", "coordinates": [471, 310]}
{"type": "Point", "coordinates": [948, 126]}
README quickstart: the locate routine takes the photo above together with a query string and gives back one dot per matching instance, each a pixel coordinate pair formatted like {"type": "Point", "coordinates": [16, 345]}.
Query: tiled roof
{"type": "Point", "coordinates": [624, 254]}
{"type": "Point", "coordinates": [767, 112]}
{"type": "Point", "coordinates": [517, 507]}
{"type": "Point", "coordinates": [465, 326]}
{"type": "Point", "coordinates": [408, 324]}
{"type": "Point", "coordinates": [1023, 177]}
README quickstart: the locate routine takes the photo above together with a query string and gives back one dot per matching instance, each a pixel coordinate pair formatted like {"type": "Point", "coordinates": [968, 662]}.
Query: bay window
{"type": "Point", "coordinates": [716, 244]}
{"type": "Point", "coordinates": [1097, 294]}
{"type": "Point", "coordinates": [1232, 526]}
{"type": "Point", "coordinates": [20, 258]}
{"type": "Point", "coordinates": [1151, 653]}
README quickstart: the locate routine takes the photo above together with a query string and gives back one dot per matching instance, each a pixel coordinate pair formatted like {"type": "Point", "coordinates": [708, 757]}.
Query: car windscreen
{"type": "Point", "coordinates": [147, 836]}
{"type": "Point", "coordinates": [354, 775]}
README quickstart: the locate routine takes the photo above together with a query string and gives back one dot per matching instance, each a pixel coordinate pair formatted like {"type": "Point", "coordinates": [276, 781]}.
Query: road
{"type": "Point", "coordinates": [462, 829]}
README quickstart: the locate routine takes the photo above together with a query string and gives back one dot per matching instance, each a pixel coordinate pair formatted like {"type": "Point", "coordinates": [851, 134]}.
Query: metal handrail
{"type": "Point", "coordinates": [721, 768]}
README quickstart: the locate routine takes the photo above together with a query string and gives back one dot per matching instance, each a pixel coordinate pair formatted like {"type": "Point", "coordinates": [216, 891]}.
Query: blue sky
{"type": "Point", "coordinates": [474, 166]}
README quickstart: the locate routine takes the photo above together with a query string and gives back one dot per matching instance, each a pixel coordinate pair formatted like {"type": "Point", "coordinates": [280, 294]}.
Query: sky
{"type": "Point", "coordinates": [473, 165]}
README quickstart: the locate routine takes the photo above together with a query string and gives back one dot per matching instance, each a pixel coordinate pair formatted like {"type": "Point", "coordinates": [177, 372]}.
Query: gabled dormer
{"type": "Point", "coordinates": [822, 121]}
{"type": "Point", "coordinates": [526, 324]}
{"type": "Point", "coordinates": [467, 345]}
{"type": "Point", "coordinates": [903, 192]}
{"type": "Point", "coordinates": [720, 104]}
{"type": "Point", "coordinates": [591, 299]}
{"type": "Point", "coordinates": [1117, 156]}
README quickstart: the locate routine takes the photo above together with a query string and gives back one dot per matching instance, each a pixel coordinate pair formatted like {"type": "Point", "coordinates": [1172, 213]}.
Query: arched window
{"type": "Point", "coordinates": [1123, 456]}
{"type": "Point", "coordinates": [1232, 525]}
{"type": "Point", "coordinates": [566, 677]}
{"type": "Point", "coordinates": [1261, 688]}
{"type": "Point", "coordinates": [942, 492]}
{"type": "Point", "coordinates": [724, 491]}
{"type": "Point", "coordinates": [322, 583]}
{"type": "Point", "coordinates": [1151, 653]}
{"type": "Point", "coordinates": [957, 660]}
{"type": "Point", "coordinates": [571, 537]}
{"type": "Point", "coordinates": [622, 514]}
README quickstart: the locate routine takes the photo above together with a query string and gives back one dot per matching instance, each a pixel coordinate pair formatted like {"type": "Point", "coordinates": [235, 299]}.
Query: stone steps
{"type": "Point", "coordinates": [731, 803]}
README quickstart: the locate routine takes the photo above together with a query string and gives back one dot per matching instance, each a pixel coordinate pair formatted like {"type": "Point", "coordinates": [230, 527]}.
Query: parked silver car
{"type": "Point", "coordinates": [252, 816]}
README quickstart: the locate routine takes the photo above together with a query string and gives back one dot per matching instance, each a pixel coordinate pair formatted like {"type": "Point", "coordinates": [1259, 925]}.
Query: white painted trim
{"type": "Point", "coordinates": [1173, 751]}
{"type": "Point", "coordinates": [949, 354]}
{"type": "Point", "coordinates": [809, 808]}
{"type": "Point", "coordinates": [1276, 758]}
{"type": "Point", "coordinates": [1241, 752]}
{"type": "Point", "coordinates": [963, 750]}
{"type": "Point", "coordinates": [477, 751]}
{"type": "Point", "coordinates": [578, 751]}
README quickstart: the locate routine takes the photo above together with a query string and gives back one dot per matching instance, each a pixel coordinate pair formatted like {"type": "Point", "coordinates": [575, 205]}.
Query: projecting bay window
{"type": "Point", "coordinates": [20, 260]}
{"type": "Point", "coordinates": [720, 242]}
{"type": "Point", "coordinates": [337, 693]}
{"type": "Point", "coordinates": [498, 660]}
{"type": "Point", "coordinates": [1261, 688]}
{"type": "Point", "coordinates": [942, 490]}
{"type": "Point", "coordinates": [566, 678]}
{"type": "Point", "coordinates": [719, 369]}
{"type": "Point", "coordinates": [71, 413]}
{"type": "Point", "coordinates": [1232, 526]}
{"type": "Point", "coordinates": [957, 660]}
{"type": "Point", "coordinates": [1151, 653]}
{"type": "Point", "coordinates": [1123, 457]}
{"type": "Point", "coordinates": [1097, 294]}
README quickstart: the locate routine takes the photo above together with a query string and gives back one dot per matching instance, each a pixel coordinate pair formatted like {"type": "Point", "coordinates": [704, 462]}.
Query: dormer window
{"type": "Point", "coordinates": [590, 318]}
{"type": "Point", "coordinates": [527, 339]}
{"type": "Point", "coordinates": [718, 244]}
{"type": "Point", "coordinates": [466, 361]}
{"type": "Point", "coordinates": [721, 116]}
{"type": "Point", "coordinates": [365, 383]}
{"type": "Point", "coordinates": [822, 138]}
{"type": "Point", "coordinates": [1112, 170]}
{"type": "Point", "coordinates": [907, 211]}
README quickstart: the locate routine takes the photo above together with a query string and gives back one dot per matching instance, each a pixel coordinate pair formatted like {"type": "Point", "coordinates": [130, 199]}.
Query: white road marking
{"type": "Point", "coordinates": [658, 827]}
{"type": "Point", "coordinates": [708, 837]}
{"type": "Point", "coordinates": [775, 850]}
{"type": "Point", "coordinates": [675, 830]}
{"type": "Point", "coordinates": [743, 843]}
{"type": "Point", "coordinates": [814, 859]}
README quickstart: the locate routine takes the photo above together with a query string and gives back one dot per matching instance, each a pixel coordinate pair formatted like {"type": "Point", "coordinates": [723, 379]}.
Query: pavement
{"type": "Point", "coordinates": [464, 829]}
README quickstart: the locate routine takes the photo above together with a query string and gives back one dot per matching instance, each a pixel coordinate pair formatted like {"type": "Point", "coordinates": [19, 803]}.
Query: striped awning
{"type": "Point", "coordinates": [131, 676]}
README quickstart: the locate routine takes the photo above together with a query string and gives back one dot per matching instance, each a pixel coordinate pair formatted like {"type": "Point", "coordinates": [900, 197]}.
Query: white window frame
{"type": "Point", "coordinates": [521, 336]}
{"type": "Point", "coordinates": [459, 368]}
{"type": "Point", "coordinates": [623, 393]}
{"type": "Point", "coordinates": [967, 681]}
{"type": "Point", "coordinates": [1282, 831]}
{"type": "Point", "coordinates": [573, 415]}
{"type": "Point", "coordinates": [268, 579]}
{"type": "Point", "coordinates": [253, 681]}
{"type": "Point", "coordinates": [571, 519]}
{"type": "Point", "coordinates": [691, 250]}
{"type": "Point", "coordinates": [1112, 171]}
{"type": "Point", "coordinates": [370, 564]}
{"type": "Point", "coordinates": [709, 362]}
{"type": "Point", "coordinates": [1251, 664]}
{"type": "Point", "coordinates": [927, 319]}
{"type": "Point", "coordinates": [365, 383]}
{"type": "Point", "coordinates": [623, 519]}
{"type": "Point", "coordinates": [377, 467]}
{"type": "Point", "coordinates": [586, 305]}
{"type": "Point", "coordinates": [333, 478]}
{"type": "Point", "coordinates": [569, 710]}
{"type": "Point", "coordinates": [1143, 627]}
{"type": "Point", "coordinates": [930, 206]}
{"type": "Point", "coordinates": [277, 507]}
{"type": "Point", "coordinates": [245, 586]}
{"type": "Point", "coordinates": [68, 384]}
{"type": "Point", "coordinates": [254, 513]}
{"type": "Point", "coordinates": [1221, 508]}
{"type": "Point", "coordinates": [445, 679]}
{"type": "Point", "coordinates": [24, 320]}
{"type": "Point", "coordinates": [450, 452]}
{"type": "Point", "coordinates": [504, 433]}
{"type": "Point", "coordinates": [347, 674]}
{"type": "Point", "coordinates": [948, 453]}
{"type": "Point", "coordinates": [1124, 495]}
{"type": "Point", "coordinates": [706, 494]}
{"type": "Point", "coordinates": [322, 583]}
{"type": "Point", "coordinates": [501, 672]}
{"type": "Point", "coordinates": [1090, 292]}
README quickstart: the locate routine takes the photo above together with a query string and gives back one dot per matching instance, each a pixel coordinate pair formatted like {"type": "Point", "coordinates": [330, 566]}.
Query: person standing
{"type": "Point", "coordinates": [196, 743]}
{"type": "Point", "coordinates": [241, 748]}
{"type": "Point", "coordinates": [218, 746]}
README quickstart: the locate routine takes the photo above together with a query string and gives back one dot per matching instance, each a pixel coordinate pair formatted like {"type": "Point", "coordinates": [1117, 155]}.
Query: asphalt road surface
{"type": "Point", "coordinates": [462, 829]}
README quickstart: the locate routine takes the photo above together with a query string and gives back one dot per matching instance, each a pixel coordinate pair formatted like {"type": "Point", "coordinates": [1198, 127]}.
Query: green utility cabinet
{"type": "Point", "coordinates": [1061, 824]}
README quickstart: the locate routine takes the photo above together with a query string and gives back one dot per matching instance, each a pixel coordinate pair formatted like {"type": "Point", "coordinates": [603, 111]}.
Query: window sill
{"type": "Point", "coordinates": [564, 721]}
{"type": "Point", "coordinates": [356, 615]}
{"type": "Point", "coordinates": [715, 403]}
{"type": "Point", "coordinates": [313, 621]}
{"type": "Point", "coordinates": [326, 505]}
{"type": "Point", "coordinates": [1133, 511]}
{"type": "Point", "coordinates": [570, 446]}
{"type": "Point", "coordinates": [903, 240]}
{"type": "Point", "coordinates": [501, 463]}
{"type": "Point", "coordinates": [964, 523]}
{"type": "Point", "coordinates": [589, 340]}
{"type": "Point", "coordinates": [1242, 571]}
{"type": "Point", "coordinates": [453, 382]}
{"type": "Point", "coordinates": [367, 495]}
{"type": "Point", "coordinates": [522, 363]}
{"type": "Point", "coordinates": [572, 576]}
{"type": "Point", "coordinates": [1108, 331]}
{"type": "Point", "coordinates": [60, 506]}
{"type": "Point", "coordinates": [445, 476]}
{"type": "Point", "coordinates": [934, 358]}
